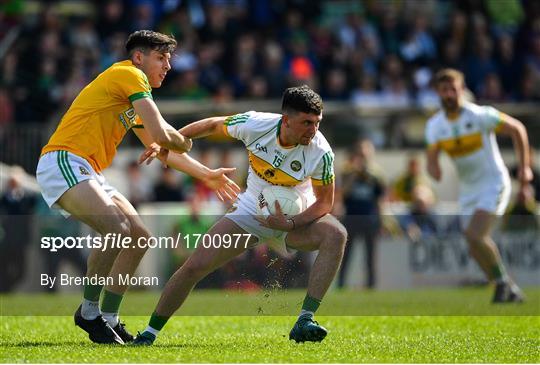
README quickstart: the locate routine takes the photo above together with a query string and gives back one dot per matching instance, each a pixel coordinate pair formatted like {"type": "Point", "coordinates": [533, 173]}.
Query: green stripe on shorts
{"type": "Point", "coordinates": [69, 169]}
{"type": "Point", "coordinates": [62, 168]}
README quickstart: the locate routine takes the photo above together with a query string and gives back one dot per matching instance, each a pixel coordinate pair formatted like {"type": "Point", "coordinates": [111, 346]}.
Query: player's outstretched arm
{"type": "Point", "coordinates": [433, 166]}
{"type": "Point", "coordinates": [216, 179]}
{"type": "Point", "coordinates": [515, 129]}
{"type": "Point", "coordinates": [204, 127]}
{"type": "Point", "coordinates": [161, 132]}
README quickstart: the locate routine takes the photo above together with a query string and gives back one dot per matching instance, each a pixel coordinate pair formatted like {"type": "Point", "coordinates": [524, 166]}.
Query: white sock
{"type": "Point", "coordinates": [111, 318]}
{"type": "Point", "coordinates": [304, 312]}
{"type": "Point", "coordinates": [153, 331]}
{"type": "Point", "coordinates": [90, 309]}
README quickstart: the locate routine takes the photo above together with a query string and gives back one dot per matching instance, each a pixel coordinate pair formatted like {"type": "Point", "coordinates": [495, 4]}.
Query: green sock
{"type": "Point", "coordinates": [157, 322]}
{"type": "Point", "coordinates": [111, 302]}
{"type": "Point", "coordinates": [92, 292]}
{"type": "Point", "coordinates": [499, 272]}
{"type": "Point", "coordinates": [310, 304]}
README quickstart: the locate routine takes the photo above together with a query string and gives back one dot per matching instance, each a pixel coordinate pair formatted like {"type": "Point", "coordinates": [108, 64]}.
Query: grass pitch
{"type": "Point", "coordinates": [402, 326]}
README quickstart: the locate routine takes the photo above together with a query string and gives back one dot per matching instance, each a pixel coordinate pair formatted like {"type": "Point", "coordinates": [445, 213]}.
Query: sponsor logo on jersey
{"type": "Point", "coordinates": [128, 118]}
{"type": "Point", "coordinates": [259, 147]}
{"type": "Point", "coordinates": [269, 173]}
{"type": "Point", "coordinates": [83, 171]}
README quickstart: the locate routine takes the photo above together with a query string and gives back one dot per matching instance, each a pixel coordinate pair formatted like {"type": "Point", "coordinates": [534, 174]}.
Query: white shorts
{"type": "Point", "coordinates": [58, 171]}
{"type": "Point", "coordinates": [493, 199]}
{"type": "Point", "coordinates": [243, 213]}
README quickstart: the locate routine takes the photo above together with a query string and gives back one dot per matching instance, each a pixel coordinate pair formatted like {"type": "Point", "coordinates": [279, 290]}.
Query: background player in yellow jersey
{"type": "Point", "coordinates": [84, 144]}
{"type": "Point", "coordinates": [285, 149]}
{"type": "Point", "coordinates": [466, 132]}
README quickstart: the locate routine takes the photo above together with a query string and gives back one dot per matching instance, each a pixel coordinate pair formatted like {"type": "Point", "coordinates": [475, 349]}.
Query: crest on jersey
{"type": "Point", "coordinates": [83, 171]}
{"type": "Point", "coordinates": [296, 166]}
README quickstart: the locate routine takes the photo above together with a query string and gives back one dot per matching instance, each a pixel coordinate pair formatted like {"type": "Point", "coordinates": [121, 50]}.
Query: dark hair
{"type": "Point", "coordinates": [146, 40]}
{"type": "Point", "coordinates": [301, 99]}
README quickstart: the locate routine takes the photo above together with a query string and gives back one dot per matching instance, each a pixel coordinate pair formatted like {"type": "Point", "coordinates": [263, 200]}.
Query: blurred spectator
{"type": "Point", "coordinates": [112, 19]}
{"type": "Point", "coordinates": [366, 95]}
{"type": "Point", "coordinates": [491, 89]}
{"type": "Point", "coordinates": [405, 184]}
{"type": "Point", "coordinates": [362, 190]}
{"type": "Point", "coordinates": [168, 189]}
{"type": "Point", "coordinates": [426, 97]}
{"type": "Point", "coordinates": [419, 45]}
{"type": "Point", "coordinates": [508, 64]}
{"type": "Point", "coordinates": [390, 32]}
{"type": "Point", "coordinates": [420, 220]}
{"type": "Point", "coordinates": [186, 86]}
{"type": "Point", "coordinates": [395, 94]}
{"type": "Point", "coordinates": [139, 187]}
{"type": "Point", "coordinates": [480, 63]}
{"type": "Point", "coordinates": [274, 69]}
{"type": "Point", "coordinates": [257, 88]}
{"type": "Point", "coordinates": [198, 187]}
{"type": "Point", "coordinates": [535, 182]}
{"type": "Point", "coordinates": [335, 87]}
{"type": "Point", "coordinates": [452, 55]}
{"type": "Point", "coordinates": [505, 15]}
{"type": "Point", "coordinates": [367, 46]}
{"type": "Point", "coordinates": [188, 226]}
{"type": "Point", "coordinates": [210, 74]}
{"type": "Point", "coordinates": [16, 206]}
{"type": "Point", "coordinates": [522, 215]}
{"type": "Point", "coordinates": [6, 107]}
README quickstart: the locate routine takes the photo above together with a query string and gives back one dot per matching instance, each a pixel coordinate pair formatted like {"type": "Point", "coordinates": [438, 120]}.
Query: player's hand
{"type": "Point", "coordinates": [277, 221]}
{"type": "Point", "coordinates": [154, 151]}
{"type": "Point", "coordinates": [225, 188]}
{"type": "Point", "coordinates": [525, 175]}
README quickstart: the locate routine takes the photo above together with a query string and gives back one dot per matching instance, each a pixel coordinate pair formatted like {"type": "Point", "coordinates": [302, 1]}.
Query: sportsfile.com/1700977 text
{"type": "Point", "coordinates": [116, 241]}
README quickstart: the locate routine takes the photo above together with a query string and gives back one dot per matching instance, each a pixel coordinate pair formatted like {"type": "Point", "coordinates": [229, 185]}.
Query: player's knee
{"type": "Point", "coordinates": [138, 231]}
{"type": "Point", "coordinates": [116, 224]}
{"type": "Point", "coordinates": [472, 236]}
{"type": "Point", "coordinates": [195, 270]}
{"type": "Point", "coordinates": [124, 227]}
{"type": "Point", "coordinates": [334, 233]}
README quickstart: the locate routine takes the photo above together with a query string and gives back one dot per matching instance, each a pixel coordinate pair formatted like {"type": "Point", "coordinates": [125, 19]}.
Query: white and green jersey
{"type": "Point", "coordinates": [270, 163]}
{"type": "Point", "coordinates": [470, 141]}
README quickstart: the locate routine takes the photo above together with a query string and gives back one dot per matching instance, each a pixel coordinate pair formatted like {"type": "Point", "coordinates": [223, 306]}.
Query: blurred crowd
{"type": "Point", "coordinates": [373, 53]}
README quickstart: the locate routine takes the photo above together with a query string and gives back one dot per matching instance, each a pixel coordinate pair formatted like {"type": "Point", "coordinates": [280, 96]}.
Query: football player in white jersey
{"type": "Point", "coordinates": [284, 149]}
{"type": "Point", "coordinates": [466, 132]}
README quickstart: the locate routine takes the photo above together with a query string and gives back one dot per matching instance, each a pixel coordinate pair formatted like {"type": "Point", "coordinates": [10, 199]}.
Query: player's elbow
{"type": "Point", "coordinates": [325, 206]}
{"type": "Point", "coordinates": [512, 127]}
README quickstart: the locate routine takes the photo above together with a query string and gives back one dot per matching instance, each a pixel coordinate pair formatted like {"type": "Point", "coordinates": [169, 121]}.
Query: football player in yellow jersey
{"type": "Point", "coordinates": [305, 157]}
{"type": "Point", "coordinates": [466, 132]}
{"type": "Point", "coordinates": [84, 144]}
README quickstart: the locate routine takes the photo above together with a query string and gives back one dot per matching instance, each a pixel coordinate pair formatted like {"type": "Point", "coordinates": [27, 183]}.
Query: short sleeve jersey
{"type": "Point", "coordinates": [470, 141]}
{"type": "Point", "coordinates": [101, 115]}
{"type": "Point", "coordinates": [272, 164]}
